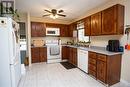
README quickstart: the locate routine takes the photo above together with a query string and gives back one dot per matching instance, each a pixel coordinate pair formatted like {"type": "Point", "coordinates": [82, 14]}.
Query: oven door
{"type": "Point", "coordinates": [53, 51]}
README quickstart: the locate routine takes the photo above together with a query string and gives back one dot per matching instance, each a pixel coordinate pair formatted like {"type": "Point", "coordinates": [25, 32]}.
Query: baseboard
{"type": "Point", "coordinates": [125, 82]}
{"type": "Point", "coordinates": [54, 60]}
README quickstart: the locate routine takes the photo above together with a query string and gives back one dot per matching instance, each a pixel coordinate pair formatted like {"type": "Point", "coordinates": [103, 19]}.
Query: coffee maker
{"type": "Point", "coordinates": [113, 45]}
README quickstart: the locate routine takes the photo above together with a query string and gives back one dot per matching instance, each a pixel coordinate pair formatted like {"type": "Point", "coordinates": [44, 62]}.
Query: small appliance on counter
{"type": "Point", "coordinates": [114, 46]}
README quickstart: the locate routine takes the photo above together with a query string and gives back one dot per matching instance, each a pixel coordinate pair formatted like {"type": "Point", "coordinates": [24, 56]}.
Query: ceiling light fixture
{"type": "Point", "coordinates": [54, 13]}
{"type": "Point", "coordinates": [54, 16]}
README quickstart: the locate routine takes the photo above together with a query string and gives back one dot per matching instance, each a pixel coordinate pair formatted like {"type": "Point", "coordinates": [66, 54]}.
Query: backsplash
{"type": "Point", "coordinates": [63, 39]}
{"type": "Point", "coordinates": [102, 41]}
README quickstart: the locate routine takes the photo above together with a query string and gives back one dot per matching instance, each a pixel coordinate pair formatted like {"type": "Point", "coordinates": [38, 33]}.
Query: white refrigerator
{"type": "Point", "coordinates": [10, 63]}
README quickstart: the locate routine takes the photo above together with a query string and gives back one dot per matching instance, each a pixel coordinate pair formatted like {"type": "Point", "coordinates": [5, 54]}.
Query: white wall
{"type": "Point", "coordinates": [103, 40]}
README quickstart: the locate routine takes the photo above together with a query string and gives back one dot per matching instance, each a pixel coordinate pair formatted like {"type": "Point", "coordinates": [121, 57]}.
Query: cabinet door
{"type": "Point", "coordinates": [101, 71]}
{"type": "Point", "coordinates": [70, 55]}
{"type": "Point", "coordinates": [35, 54]}
{"type": "Point", "coordinates": [43, 54]}
{"type": "Point", "coordinates": [96, 24]}
{"type": "Point", "coordinates": [74, 61]}
{"type": "Point", "coordinates": [33, 29]}
{"type": "Point", "coordinates": [43, 29]}
{"type": "Point", "coordinates": [109, 21]}
{"type": "Point", "coordinates": [72, 27]}
{"type": "Point", "coordinates": [64, 52]}
{"type": "Point", "coordinates": [40, 29]}
{"type": "Point", "coordinates": [64, 31]}
{"type": "Point", "coordinates": [70, 30]}
{"type": "Point", "coordinates": [87, 26]}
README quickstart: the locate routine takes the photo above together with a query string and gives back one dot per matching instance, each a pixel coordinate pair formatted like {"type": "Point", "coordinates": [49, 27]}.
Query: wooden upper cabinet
{"type": "Point", "coordinates": [70, 34]}
{"type": "Point", "coordinates": [96, 24]}
{"type": "Point", "coordinates": [52, 25]}
{"type": "Point", "coordinates": [113, 20]}
{"type": "Point", "coordinates": [64, 30]}
{"type": "Point", "coordinates": [72, 27]}
{"type": "Point", "coordinates": [38, 29]}
{"type": "Point", "coordinates": [87, 26]}
{"type": "Point", "coordinates": [33, 29]}
{"type": "Point", "coordinates": [41, 31]}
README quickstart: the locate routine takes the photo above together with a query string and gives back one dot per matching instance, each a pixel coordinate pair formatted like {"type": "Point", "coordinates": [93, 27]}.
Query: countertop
{"type": "Point", "coordinates": [101, 50]}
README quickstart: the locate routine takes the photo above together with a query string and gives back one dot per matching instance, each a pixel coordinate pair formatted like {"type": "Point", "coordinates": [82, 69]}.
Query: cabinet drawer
{"type": "Point", "coordinates": [102, 57]}
{"type": "Point", "coordinates": [93, 73]}
{"type": "Point", "coordinates": [92, 55]}
{"type": "Point", "coordinates": [92, 67]}
{"type": "Point", "coordinates": [92, 61]}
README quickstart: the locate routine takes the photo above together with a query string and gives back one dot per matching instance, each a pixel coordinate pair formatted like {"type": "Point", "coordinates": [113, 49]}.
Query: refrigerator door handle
{"type": "Point", "coordinates": [14, 43]}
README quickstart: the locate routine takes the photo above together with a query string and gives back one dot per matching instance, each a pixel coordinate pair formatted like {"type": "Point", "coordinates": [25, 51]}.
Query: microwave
{"type": "Point", "coordinates": [52, 31]}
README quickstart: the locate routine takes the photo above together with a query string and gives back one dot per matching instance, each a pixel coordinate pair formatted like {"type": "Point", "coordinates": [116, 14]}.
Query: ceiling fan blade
{"type": "Point", "coordinates": [48, 11]}
{"type": "Point", "coordinates": [46, 15]}
{"type": "Point", "coordinates": [60, 11]}
{"type": "Point", "coordinates": [61, 15]}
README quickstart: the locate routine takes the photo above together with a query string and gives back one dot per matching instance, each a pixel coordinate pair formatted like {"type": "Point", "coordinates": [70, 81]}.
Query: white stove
{"type": "Point", "coordinates": [53, 51]}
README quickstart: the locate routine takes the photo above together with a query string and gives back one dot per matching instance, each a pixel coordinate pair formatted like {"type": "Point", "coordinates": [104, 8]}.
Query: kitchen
{"type": "Point", "coordinates": [80, 44]}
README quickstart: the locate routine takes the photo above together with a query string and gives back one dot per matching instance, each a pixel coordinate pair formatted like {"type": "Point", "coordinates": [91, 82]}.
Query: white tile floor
{"type": "Point", "coordinates": [55, 75]}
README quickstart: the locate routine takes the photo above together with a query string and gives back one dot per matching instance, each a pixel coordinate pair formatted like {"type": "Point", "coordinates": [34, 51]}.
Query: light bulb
{"type": "Point", "coordinates": [51, 16]}
{"type": "Point", "coordinates": [56, 16]}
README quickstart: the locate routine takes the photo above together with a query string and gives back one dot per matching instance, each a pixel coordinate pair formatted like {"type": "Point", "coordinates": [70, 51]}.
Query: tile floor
{"type": "Point", "coordinates": [55, 75]}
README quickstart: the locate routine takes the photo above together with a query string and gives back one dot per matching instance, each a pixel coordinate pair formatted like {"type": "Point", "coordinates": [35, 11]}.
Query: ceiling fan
{"type": "Point", "coordinates": [54, 13]}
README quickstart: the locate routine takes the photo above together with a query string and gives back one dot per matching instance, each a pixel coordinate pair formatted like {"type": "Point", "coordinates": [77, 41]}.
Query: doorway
{"type": "Point", "coordinates": [23, 41]}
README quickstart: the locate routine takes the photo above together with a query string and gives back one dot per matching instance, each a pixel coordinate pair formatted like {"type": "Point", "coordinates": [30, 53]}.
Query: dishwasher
{"type": "Point", "coordinates": [83, 60]}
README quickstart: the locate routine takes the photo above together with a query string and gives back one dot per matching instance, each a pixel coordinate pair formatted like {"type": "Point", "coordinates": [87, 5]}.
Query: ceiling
{"type": "Point", "coordinates": [72, 8]}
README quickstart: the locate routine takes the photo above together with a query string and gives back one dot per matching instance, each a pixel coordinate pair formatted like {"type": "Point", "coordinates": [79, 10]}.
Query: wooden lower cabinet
{"type": "Point", "coordinates": [72, 52]}
{"type": "Point", "coordinates": [35, 54]}
{"type": "Point", "coordinates": [92, 62]}
{"type": "Point", "coordinates": [43, 54]}
{"type": "Point", "coordinates": [75, 56]}
{"type": "Point", "coordinates": [106, 68]}
{"type": "Point", "coordinates": [101, 71]}
{"type": "Point", "coordinates": [39, 54]}
{"type": "Point", "coordinates": [70, 55]}
{"type": "Point", "coordinates": [64, 53]}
